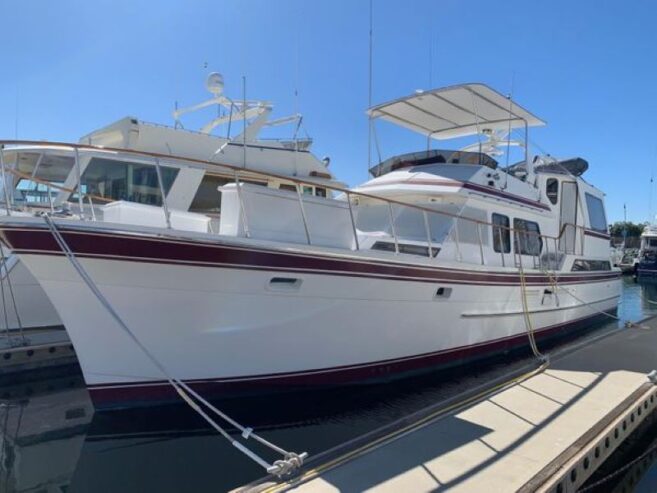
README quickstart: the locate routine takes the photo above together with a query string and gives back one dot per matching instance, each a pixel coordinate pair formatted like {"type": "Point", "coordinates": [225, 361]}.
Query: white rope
{"type": "Point", "coordinates": [290, 462]}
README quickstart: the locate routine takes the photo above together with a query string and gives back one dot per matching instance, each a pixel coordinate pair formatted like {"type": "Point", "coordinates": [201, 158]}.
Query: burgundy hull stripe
{"type": "Point", "coordinates": [468, 186]}
{"type": "Point", "coordinates": [110, 395]}
{"type": "Point", "coordinates": [143, 248]}
{"type": "Point", "coordinates": [153, 249]}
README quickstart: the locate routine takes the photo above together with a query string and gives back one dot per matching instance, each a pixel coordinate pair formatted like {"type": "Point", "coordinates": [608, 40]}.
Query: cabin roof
{"type": "Point", "coordinates": [456, 111]}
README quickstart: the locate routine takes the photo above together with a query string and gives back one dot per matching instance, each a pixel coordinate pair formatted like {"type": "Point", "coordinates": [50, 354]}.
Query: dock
{"type": "Point", "coordinates": [36, 350]}
{"type": "Point", "coordinates": [545, 429]}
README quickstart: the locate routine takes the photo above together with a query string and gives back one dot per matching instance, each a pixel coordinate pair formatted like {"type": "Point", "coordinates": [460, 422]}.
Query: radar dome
{"type": "Point", "coordinates": [215, 83]}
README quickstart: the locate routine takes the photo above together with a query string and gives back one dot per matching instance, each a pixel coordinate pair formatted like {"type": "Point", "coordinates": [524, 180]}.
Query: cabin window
{"type": "Point", "coordinates": [107, 180]}
{"type": "Point", "coordinates": [36, 169]}
{"type": "Point", "coordinates": [597, 217]}
{"type": "Point", "coordinates": [307, 190]}
{"type": "Point", "coordinates": [588, 265]}
{"type": "Point", "coordinates": [552, 190]}
{"type": "Point", "coordinates": [527, 235]}
{"type": "Point", "coordinates": [208, 197]}
{"type": "Point", "coordinates": [501, 233]}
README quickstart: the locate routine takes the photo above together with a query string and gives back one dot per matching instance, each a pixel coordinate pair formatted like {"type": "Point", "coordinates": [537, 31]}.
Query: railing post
{"type": "Point", "coordinates": [353, 223]}
{"type": "Point", "coordinates": [428, 231]}
{"type": "Point", "coordinates": [499, 233]}
{"type": "Point", "coordinates": [242, 209]}
{"type": "Point", "coordinates": [392, 226]}
{"type": "Point", "coordinates": [455, 229]}
{"type": "Point", "coordinates": [165, 207]}
{"type": "Point", "coordinates": [481, 246]}
{"type": "Point", "coordinates": [91, 205]}
{"type": "Point", "coordinates": [4, 183]}
{"type": "Point", "coordinates": [52, 206]}
{"type": "Point", "coordinates": [303, 213]}
{"type": "Point", "coordinates": [79, 177]}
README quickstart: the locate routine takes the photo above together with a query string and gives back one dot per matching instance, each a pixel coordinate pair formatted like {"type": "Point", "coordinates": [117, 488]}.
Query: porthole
{"type": "Point", "coordinates": [586, 463]}
{"type": "Point", "coordinates": [639, 410]}
{"type": "Point", "coordinates": [645, 404]}
{"type": "Point", "coordinates": [607, 442]}
{"type": "Point", "coordinates": [560, 488]}
{"type": "Point", "coordinates": [7, 356]}
{"type": "Point", "coordinates": [597, 452]}
{"type": "Point", "coordinates": [573, 475]}
{"type": "Point", "coordinates": [632, 417]}
{"type": "Point", "coordinates": [616, 433]}
{"type": "Point", "coordinates": [52, 349]}
{"type": "Point", "coordinates": [30, 353]}
{"type": "Point", "coordinates": [624, 425]}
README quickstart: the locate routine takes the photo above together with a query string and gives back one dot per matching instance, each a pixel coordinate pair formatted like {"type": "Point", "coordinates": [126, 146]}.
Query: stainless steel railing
{"type": "Point", "coordinates": [352, 198]}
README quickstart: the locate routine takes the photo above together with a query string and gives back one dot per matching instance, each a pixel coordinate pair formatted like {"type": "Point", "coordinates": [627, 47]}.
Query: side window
{"type": "Point", "coordinates": [552, 190]}
{"type": "Point", "coordinates": [208, 197]}
{"type": "Point", "coordinates": [528, 239]}
{"type": "Point", "coordinates": [501, 233]}
{"type": "Point", "coordinates": [597, 217]}
{"type": "Point", "coordinates": [107, 180]}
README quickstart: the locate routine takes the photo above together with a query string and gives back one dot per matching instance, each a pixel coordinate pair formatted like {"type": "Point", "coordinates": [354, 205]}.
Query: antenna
{"type": "Point", "coordinates": [369, 99]}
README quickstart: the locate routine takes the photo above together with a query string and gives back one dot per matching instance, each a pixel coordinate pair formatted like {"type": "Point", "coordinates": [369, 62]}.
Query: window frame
{"type": "Point", "coordinates": [505, 227]}
{"type": "Point", "coordinates": [522, 235]}
{"type": "Point", "coordinates": [592, 199]}
{"type": "Point", "coordinates": [549, 182]}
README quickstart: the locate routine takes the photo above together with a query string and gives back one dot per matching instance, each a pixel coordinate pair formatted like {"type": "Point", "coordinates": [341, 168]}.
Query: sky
{"type": "Point", "coordinates": [586, 67]}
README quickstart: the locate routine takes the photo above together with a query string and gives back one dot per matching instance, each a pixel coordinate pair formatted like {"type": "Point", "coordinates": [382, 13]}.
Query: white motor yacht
{"type": "Point", "coordinates": [441, 258]}
{"type": "Point", "coordinates": [41, 179]}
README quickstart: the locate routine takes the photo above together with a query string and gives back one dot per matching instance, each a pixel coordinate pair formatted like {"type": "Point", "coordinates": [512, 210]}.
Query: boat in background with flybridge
{"type": "Point", "coordinates": [441, 258]}
{"type": "Point", "coordinates": [42, 178]}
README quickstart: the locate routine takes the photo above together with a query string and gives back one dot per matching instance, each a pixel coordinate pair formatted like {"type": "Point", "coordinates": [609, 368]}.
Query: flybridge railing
{"type": "Point", "coordinates": [545, 256]}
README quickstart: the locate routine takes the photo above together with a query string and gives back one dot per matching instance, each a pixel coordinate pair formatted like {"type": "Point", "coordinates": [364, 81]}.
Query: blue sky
{"type": "Point", "coordinates": [587, 67]}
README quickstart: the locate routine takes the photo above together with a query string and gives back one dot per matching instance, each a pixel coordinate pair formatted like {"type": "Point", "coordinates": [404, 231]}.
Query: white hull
{"type": "Point", "coordinates": [31, 302]}
{"type": "Point", "coordinates": [229, 324]}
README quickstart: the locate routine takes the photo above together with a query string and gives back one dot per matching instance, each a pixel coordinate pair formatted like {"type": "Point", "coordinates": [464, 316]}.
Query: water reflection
{"type": "Point", "coordinates": [51, 442]}
{"type": "Point", "coordinates": [41, 435]}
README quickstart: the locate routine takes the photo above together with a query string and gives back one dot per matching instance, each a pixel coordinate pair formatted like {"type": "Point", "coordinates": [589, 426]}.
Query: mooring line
{"type": "Point", "coordinates": [290, 462]}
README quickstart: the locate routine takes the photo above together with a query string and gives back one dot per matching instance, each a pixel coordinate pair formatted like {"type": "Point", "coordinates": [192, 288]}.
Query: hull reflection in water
{"type": "Point", "coordinates": [41, 435]}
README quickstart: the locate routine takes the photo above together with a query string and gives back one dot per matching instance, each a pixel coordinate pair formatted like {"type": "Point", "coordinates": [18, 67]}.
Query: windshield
{"type": "Point", "coordinates": [32, 173]}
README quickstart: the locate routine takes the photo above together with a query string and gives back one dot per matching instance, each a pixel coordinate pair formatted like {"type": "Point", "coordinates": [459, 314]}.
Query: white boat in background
{"type": "Point", "coordinates": [43, 177]}
{"type": "Point", "coordinates": [441, 258]}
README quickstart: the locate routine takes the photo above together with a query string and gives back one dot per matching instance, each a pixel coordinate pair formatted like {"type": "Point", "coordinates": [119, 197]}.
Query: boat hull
{"type": "Point", "coordinates": [213, 315]}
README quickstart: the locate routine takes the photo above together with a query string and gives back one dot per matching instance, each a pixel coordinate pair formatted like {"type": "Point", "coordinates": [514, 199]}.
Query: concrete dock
{"type": "Point", "coordinates": [546, 430]}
